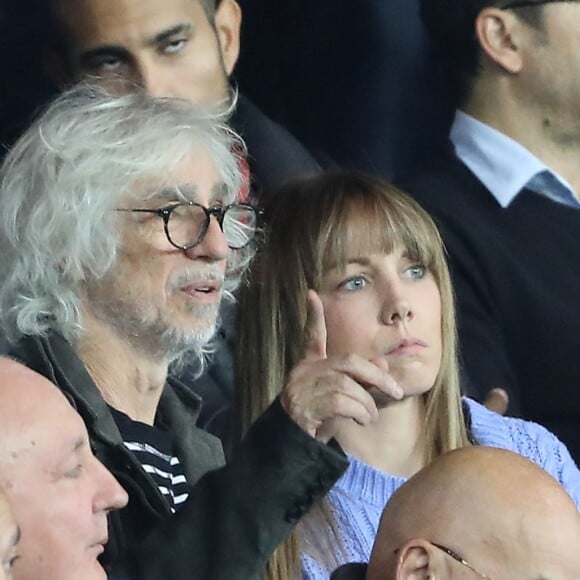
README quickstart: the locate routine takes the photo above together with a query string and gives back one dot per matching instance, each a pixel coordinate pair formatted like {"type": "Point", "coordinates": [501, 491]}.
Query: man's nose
{"type": "Point", "coordinates": [110, 495]}
{"type": "Point", "coordinates": [214, 246]}
{"type": "Point", "coordinates": [151, 78]}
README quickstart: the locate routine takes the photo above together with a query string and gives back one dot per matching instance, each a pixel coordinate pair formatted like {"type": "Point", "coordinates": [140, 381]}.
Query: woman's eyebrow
{"type": "Point", "coordinates": [357, 260]}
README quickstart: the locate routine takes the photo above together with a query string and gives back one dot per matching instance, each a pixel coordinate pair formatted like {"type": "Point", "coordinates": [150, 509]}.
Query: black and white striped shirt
{"type": "Point", "coordinates": [153, 448]}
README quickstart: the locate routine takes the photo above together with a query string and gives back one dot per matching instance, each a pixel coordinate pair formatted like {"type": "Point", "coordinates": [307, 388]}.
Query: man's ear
{"type": "Point", "coordinates": [227, 21]}
{"type": "Point", "coordinates": [500, 36]}
{"type": "Point", "coordinates": [417, 559]}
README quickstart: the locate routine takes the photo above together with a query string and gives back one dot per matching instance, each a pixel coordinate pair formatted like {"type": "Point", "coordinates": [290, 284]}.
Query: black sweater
{"type": "Point", "coordinates": [516, 274]}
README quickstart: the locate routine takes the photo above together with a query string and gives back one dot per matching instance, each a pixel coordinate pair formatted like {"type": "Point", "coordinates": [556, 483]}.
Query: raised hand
{"type": "Point", "coordinates": [323, 391]}
{"type": "Point", "coordinates": [497, 400]}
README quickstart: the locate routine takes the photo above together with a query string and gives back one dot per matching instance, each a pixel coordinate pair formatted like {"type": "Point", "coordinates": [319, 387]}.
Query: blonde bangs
{"type": "Point", "coordinates": [375, 222]}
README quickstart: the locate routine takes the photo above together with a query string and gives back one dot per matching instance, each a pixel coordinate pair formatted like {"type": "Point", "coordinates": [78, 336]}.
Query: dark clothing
{"type": "Point", "coordinates": [357, 82]}
{"type": "Point", "coordinates": [234, 517]}
{"type": "Point", "coordinates": [515, 277]}
{"type": "Point", "coordinates": [274, 155]}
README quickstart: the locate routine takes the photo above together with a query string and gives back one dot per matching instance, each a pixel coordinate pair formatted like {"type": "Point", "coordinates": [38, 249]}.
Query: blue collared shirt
{"type": "Point", "coordinates": [503, 165]}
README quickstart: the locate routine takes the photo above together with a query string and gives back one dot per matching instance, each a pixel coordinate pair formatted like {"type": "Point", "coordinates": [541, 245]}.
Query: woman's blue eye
{"type": "Point", "coordinates": [416, 271]}
{"type": "Point", "coordinates": [353, 284]}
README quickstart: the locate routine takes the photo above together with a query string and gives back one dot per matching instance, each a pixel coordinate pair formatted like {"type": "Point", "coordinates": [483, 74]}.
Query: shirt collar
{"type": "Point", "coordinates": [503, 165]}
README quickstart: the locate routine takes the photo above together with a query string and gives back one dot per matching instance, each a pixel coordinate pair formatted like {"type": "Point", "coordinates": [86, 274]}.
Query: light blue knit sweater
{"type": "Point", "coordinates": [360, 495]}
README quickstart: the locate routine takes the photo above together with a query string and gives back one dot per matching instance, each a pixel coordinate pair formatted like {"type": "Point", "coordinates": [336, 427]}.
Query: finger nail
{"type": "Point", "coordinates": [398, 391]}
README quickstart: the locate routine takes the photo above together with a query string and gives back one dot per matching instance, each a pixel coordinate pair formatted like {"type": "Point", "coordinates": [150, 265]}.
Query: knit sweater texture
{"type": "Point", "coordinates": [360, 495]}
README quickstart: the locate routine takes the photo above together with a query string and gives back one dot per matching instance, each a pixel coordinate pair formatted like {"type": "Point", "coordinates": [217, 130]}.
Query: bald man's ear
{"type": "Point", "coordinates": [227, 21]}
{"type": "Point", "coordinates": [417, 559]}
{"type": "Point", "coordinates": [500, 36]}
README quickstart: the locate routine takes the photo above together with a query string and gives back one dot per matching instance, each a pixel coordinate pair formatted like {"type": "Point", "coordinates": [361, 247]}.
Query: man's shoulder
{"type": "Point", "coordinates": [449, 191]}
{"type": "Point", "coordinates": [51, 355]}
{"type": "Point", "coordinates": [440, 174]}
{"type": "Point", "coordinates": [275, 155]}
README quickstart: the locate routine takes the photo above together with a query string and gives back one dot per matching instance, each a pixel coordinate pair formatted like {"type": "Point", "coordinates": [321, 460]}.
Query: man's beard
{"type": "Point", "coordinates": [148, 330]}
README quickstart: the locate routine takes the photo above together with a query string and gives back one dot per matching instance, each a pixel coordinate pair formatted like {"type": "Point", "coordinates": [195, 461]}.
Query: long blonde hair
{"type": "Point", "coordinates": [310, 225]}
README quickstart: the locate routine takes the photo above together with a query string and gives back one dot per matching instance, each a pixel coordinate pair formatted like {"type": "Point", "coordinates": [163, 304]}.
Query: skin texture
{"type": "Point", "coordinates": [158, 299]}
{"type": "Point", "coordinates": [155, 289]}
{"type": "Point", "coordinates": [503, 514]}
{"type": "Point", "coordinates": [386, 309]}
{"type": "Point", "coordinates": [325, 392]}
{"type": "Point", "coordinates": [59, 492]}
{"type": "Point", "coordinates": [9, 537]}
{"type": "Point", "coordinates": [524, 91]}
{"type": "Point", "coordinates": [167, 47]}
{"type": "Point", "coordinates": [386, 306]}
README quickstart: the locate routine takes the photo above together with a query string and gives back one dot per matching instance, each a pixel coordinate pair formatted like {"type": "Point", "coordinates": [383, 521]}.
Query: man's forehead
{"type": "Point", "coordinates": [119, 21]}
{"type": "Point", "coordinates": [196, 178]}
{"type": "Point", "coordinates": [182, 192]}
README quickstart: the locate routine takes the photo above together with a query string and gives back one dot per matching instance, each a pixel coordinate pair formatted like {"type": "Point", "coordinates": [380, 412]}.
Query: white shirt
{"type": "Point", "coordinates": [503, 165]}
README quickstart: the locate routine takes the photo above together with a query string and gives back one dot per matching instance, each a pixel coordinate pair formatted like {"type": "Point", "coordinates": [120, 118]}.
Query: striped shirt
{"type": "Point", "coordinates": [154, 450]}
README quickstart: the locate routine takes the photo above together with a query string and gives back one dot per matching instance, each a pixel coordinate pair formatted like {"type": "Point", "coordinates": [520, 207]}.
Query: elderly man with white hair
{"type": "Point", "coordinates": [120, 233]}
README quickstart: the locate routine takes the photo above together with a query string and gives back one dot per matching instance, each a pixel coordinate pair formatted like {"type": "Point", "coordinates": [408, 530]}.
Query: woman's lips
{"type": "Point", "coordinates": [407, 347]}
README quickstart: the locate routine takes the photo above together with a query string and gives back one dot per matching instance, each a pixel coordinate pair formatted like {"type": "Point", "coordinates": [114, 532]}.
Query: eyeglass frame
{"type": "Point", "coordinates": [459, 559]}
{"type": "Point", "coordinates": [357, 571]}
{"type": "Point", "coordinates": [528, 3]}
{"type": "Point", "coordinates": [218, 211]}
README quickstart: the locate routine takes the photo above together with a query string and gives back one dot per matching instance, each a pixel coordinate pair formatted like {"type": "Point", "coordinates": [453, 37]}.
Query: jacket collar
{"type": "Point", "coordinates": [179, 407]}
{"type": "Point", "coordinates": [55, 358]}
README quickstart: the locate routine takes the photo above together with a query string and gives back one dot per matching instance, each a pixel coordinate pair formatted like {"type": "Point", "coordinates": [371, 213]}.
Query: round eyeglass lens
{"type": "Point", "coordinates": [239, 226]}
{"type": "Point", "coordinates": [186, 224]}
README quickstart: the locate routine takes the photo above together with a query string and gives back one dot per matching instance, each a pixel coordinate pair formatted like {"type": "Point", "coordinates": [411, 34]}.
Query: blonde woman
{"type": "Point", "coordinates": [352, 265]}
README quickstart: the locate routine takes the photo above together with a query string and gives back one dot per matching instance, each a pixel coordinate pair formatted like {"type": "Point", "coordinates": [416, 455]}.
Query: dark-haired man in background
{"type": "Point", "coordinates": [506, 199]}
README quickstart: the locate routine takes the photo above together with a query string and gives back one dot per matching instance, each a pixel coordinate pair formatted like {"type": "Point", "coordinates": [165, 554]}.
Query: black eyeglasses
{"type": "Point", "coordinates": [526, 3]}
{"type": "Point", "coordinates": [186, 223]}
{"type": "Point", "coordinates": [459, 559]}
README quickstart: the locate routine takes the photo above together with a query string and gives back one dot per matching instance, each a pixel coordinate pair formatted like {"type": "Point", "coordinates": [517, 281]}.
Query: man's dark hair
{"type": "Point", "coordinates": [451, 28]}
{"type": "Point", "coordinates": [209, 7]}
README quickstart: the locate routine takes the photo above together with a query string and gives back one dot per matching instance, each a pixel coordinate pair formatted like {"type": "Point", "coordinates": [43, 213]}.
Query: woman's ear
{"type": "Point", "coordinates": [417, 559]}
{"type": "Point", "coordinates": [227, 22]}
{"type": "Point", "coordinates": [500, 36]}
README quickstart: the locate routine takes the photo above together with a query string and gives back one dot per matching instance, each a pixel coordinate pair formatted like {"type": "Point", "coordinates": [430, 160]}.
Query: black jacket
{"type": "Point", "coordinates": [274, 155]}
{"type": "Point", "coordinates": [234, 517]}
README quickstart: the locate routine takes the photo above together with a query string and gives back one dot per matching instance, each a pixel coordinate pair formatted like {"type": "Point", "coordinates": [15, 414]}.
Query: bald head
{"type": "Point", "coordinates": [504, 515]}
{"type": "Point", "coordinates": [28, 401]}
{"type": "Point", "coordinates": [59, 492]}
